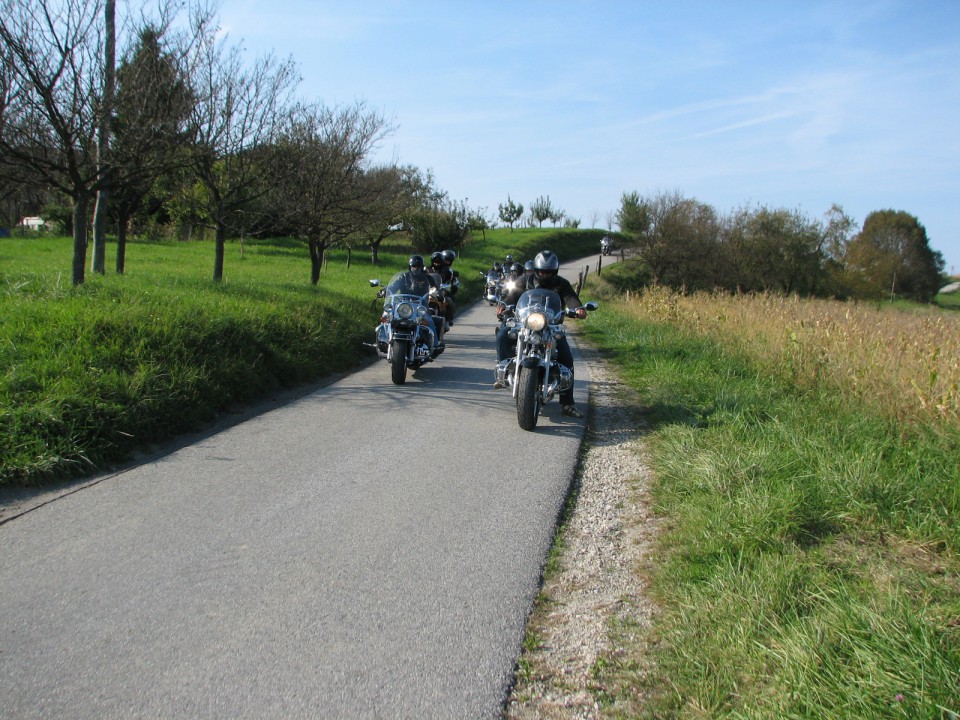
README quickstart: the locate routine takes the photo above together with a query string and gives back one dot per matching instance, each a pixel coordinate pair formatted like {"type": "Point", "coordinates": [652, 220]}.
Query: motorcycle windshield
{"type": "Point", "coordinates": [405, 284]}
{"type": "Point", "coordinates": [540, 300]}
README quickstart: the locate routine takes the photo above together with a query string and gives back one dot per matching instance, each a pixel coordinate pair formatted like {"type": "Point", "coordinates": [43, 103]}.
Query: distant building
{"type": "Point", "coordinates": [31, 223]}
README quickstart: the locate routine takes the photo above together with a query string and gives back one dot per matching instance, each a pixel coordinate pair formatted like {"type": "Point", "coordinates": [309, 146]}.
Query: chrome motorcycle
{"type": "Point", "coordinates": [491, 280]}
{"type": "Point", "coordinates": [533, 374]}
{"type": "Point", "coordinates": [407, 336]}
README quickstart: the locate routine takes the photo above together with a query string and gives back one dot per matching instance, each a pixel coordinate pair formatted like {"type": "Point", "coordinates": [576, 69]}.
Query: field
{"type": "Point", "coordinates": [122, 363]}
{"type": "Point", "coordinates": [807, 464]}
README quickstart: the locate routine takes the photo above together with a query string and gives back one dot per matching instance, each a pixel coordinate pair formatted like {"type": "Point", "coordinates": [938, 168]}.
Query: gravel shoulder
{"type": "Point", "coordinates": [593, 609]}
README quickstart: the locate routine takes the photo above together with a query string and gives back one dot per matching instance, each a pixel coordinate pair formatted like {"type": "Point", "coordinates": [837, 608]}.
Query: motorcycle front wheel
{"type": "Point", "coordinates": [398, 362]}
{"type": "Point", "coordinates": [528, 398]}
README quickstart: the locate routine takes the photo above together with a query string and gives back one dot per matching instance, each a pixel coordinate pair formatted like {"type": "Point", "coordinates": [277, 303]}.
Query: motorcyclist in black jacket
{"type": "Point", "coordinates": [439, 266]}
{"type": "Point", "coordinates": [546, 267]}
{"type": "Point", "coordinates": [417, 281]}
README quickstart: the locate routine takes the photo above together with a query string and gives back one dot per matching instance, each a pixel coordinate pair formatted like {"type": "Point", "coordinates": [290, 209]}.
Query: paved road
{"type": "Point", "coordinates": [365, 551]}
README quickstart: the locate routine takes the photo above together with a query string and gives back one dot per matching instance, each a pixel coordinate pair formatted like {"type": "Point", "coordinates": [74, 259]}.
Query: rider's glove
{"type": "Point", "coordinates": [581, 313]}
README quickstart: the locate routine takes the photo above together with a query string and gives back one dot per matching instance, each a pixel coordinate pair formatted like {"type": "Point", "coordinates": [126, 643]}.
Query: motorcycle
{"type": "Point", "coordinates": [533, 374]}
{"type": "Point", "coordinates": [492, 281]}
{"type": "Point", "coordinates": [406, 336]}
{"type": "Point", "coordinates": [606, 246]}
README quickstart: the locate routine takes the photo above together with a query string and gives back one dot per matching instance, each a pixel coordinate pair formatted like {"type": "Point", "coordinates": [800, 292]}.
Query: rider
{"type": "Point", "coordinates": [448, 257]}
{"type": "Point", "coordinates": [513, 280]}
{"type": "Point", "coordinates": [417, 281]}
{"type": "Point", "coordinates": [528, 270]}
{"type": "Point", "coordinates": [441, 268]}
{"type": "Point", "coordinates": [546, 268]}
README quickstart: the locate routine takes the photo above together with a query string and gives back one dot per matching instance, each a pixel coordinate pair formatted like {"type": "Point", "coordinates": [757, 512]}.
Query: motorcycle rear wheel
{"type": "Point", "coordinates": [528, 398]}
{"type": "Point", "coordinates": [398, 362]}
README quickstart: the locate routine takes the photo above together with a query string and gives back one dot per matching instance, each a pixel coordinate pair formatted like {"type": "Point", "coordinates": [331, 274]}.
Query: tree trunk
{"type": "Point", "coordinates": [79, 238]}
{"type": "Point", "coordinates": [122, 241]}
{"type": "Point", "coordinates": [220, 243]}
{"type": "Point", "coordinates": [98, 260]}
{"type": "Point", "coordinates": [316, 260]}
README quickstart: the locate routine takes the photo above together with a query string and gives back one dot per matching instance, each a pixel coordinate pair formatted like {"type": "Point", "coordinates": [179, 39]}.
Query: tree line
{"type": "Point", "coordinates": [153, 120]}
{"type": "Point", "coordinates": [686, 244]}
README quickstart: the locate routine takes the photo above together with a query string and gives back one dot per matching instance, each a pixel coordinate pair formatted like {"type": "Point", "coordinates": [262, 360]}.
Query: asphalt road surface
{"type": "Point", "coordinates": [364, 551]}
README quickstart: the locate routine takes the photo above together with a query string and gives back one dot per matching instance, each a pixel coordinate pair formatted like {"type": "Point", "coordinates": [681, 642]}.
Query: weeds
{"type": "Point", "coordinates": [807, 464]}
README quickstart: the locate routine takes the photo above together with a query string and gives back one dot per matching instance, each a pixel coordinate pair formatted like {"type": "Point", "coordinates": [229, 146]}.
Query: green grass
{"type": "Point", "coordinates": [949, 301]}
{"type": "Point", "coordinates": [91, 374]}
{"type": "Point", "coordinates": [809, 563]}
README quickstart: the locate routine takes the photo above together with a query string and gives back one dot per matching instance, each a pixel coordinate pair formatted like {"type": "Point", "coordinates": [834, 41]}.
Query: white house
{"type": "Point", "coordinates": [31, 223]}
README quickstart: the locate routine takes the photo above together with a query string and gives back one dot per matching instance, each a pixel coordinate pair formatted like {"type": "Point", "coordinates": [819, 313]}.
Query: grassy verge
{"type": "Point", "coordinates": [809, 567]}
{"type": "Point", "coordinates": [93, 373]}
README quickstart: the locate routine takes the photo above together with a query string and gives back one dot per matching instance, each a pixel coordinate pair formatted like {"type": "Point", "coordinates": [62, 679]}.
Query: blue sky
{"type": "Point", "coordinates": [796, 105]}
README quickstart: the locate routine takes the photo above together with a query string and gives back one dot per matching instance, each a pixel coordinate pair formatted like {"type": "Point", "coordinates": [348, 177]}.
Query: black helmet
{"type": "Point", "coordinates": [449, 256]}
{"type": "Point", "coordinates": [415, 261]}
{"type": "Point", "coordinates": [517, 268]}
{"type": "Point", "coordinates": [546, 260]}
{"type": "Point", "coordinates": [436, 257]}
{"type": "Point", "coordinates": [528, 266]}
{"type": "Point", "coordinates": [497, 266]}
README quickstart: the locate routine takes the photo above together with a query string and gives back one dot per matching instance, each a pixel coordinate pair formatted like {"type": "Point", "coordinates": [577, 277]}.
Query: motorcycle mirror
{"type": "Point", "coordinates": [374, 283]}
{"type": "Point", "coordinates": [591, 306]}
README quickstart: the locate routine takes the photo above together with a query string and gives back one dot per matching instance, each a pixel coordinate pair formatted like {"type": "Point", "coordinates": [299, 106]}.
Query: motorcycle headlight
{"type": "Point", "coordinates": [535, 321]}
{"type": "Point", "coordinates": [404, 311]}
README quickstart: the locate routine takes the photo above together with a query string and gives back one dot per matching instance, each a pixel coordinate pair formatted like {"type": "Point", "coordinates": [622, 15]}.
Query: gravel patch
{"type": "Point", "coordinates": [594, 596]}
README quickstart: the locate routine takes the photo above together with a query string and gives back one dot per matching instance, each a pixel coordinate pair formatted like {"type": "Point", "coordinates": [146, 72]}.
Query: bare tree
{"type": "Point", "coordinates": [238, 112]}
{"type": "Point", "coordinates": [50, 112]}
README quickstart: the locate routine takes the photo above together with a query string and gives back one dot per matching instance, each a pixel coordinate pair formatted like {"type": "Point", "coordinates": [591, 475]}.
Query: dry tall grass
{"type": "Point", "coordinates": [904, 363]}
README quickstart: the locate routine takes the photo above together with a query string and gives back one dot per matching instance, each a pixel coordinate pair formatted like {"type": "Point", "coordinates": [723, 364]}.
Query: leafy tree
{"type": "Point", "coordinates": [774, 249]}
{"type": "Point", "coordinates": [839, 231]}
{"type": "Point", "coordinates": [151, 135]}
{"type": "Point", "coordinates": [478, 220]}
{"type": "Point", "coordinates": [633, 217]}
{"type": "Point", "coordinates": [659, 229]}
{"type": "Point", "coordinates": [510, 212]}
{"type": "Point", "coordinates": [327, 194]}
{"type": "Point", "coordinates": [541, 209]}
{"type": "Point", "coordinates": [892, 254]}
{"type": "Point", "coordinates": [438, 225]}
{"type": "Point", "coordinates": [400, 190]}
